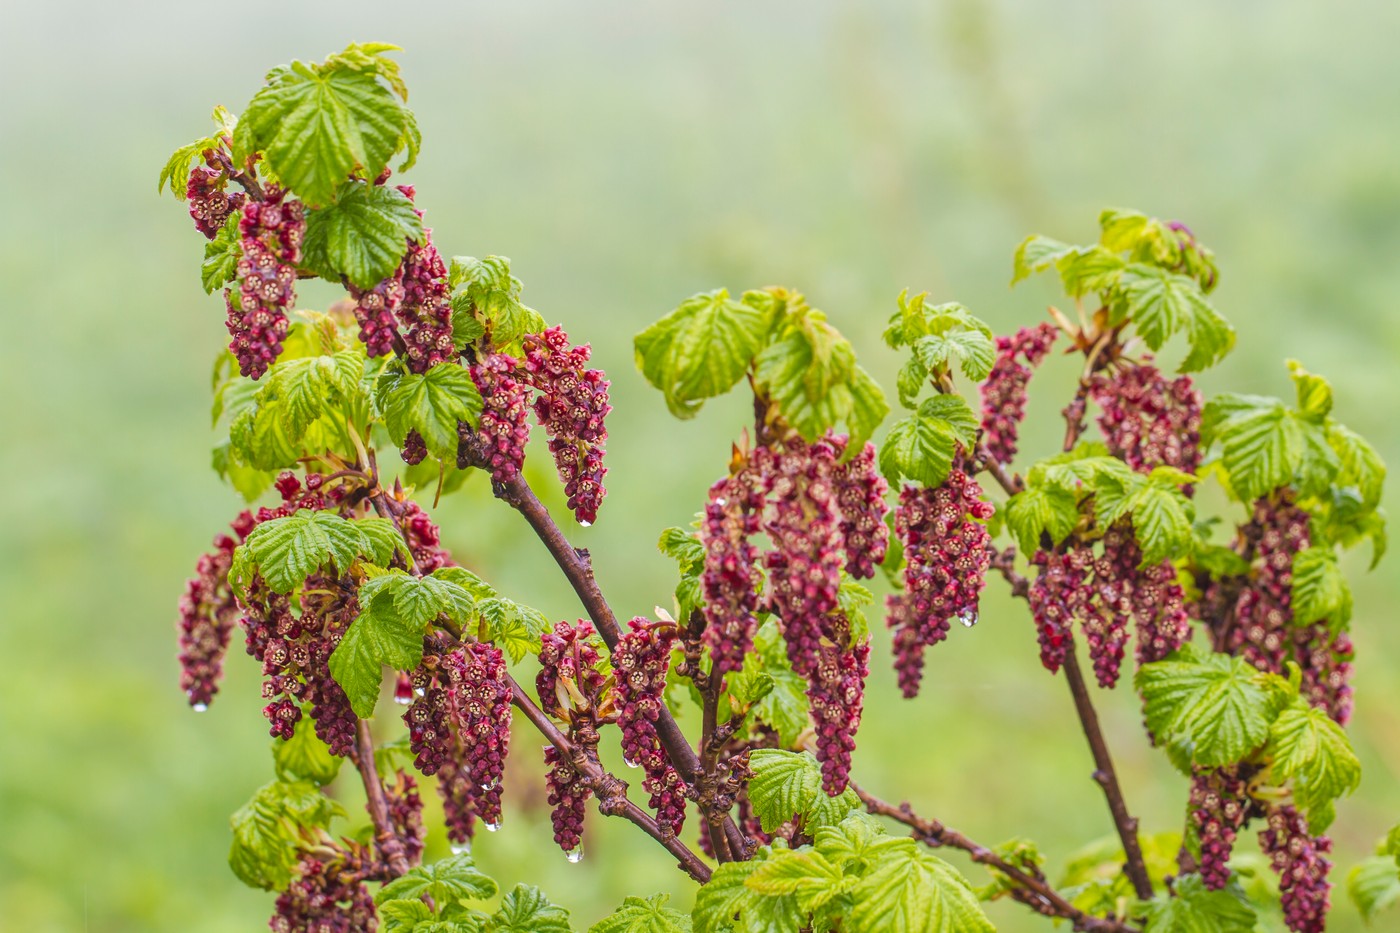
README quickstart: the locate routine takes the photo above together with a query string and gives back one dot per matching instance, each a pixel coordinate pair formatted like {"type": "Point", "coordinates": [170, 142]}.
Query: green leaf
{"type": "Point", "coordinates": [921, 446]}
{"type": "Point", "coordinates": [1373, 885]}
{"type": "Point", "coordinates": [868, 411]}
{"type": "Point", "coordinates": [268, 831]}
{"type": "Point", "coordinates": [448, 880]}
{"type": "Point", "coordinates": [1360, 465]}
{"type": "Point", "coordinates": [806, 874]}
{"type": "Point", "coordinates": [1160, 512]}
{"type": "Point", "coordinates": [526, 910]}
{"type": "Point", "coordinates": [972, 350]}
{"type": "Point", "coordinates": [377, 637]}
{"type": "Point", "coordinates": [1036, 254]}
{"type": "Point", "coordinates": [317, 124]}
{"type": "Point", "coordinates": [221, 255]}
{"type": "Point", "coordinates": [1037, 510]}
{"type": "Point", "coordinates": [1309, 748]}
{"type": "Point", "coordinates": [362, 235]}
{"type": "Point", "coordinates": [406, 916]}
{"type": "Point", "coordinates": [176, 172]}
{"type": "Point", "coordinates": [486, 292]}
{"type": "Point", "coordinates": [309, 387]}
{"type": "Point", "coordinates": [767, 680]}
{"type": "Point", "coordinates": [304, 756]}
{"type": "Point", "coordinates": [728, 903]}
{"type": "Point", "coordinates": [684, 547]}
{"type": "Point", "coordinates": [287, 550]}
{"type": "Point", "coordinates": [1320, 589]}
{"type": "Point", "coordinates": [1161, 303]}
{"type": "Point", "coordinates": [701, 349]}
{"type": "Point", "coordinates": [431, 403]}
{"type": "Point", "coordinates": [1314, 392]}
{"type": "Point", "coordinates": [1197, 909]}
{"type": "Point", "coordinates": [788, 785]}
{"type": "Point", "coordinates": [1217, 708]}
{"type": "Point", "coordinates": [1265, 445]}
{"type": "Point", "coordinates": [513, 628]}
{"type": "Point", "coordinates": [911, 890]}
{"type": "Point", "coordinates": [644, 915]}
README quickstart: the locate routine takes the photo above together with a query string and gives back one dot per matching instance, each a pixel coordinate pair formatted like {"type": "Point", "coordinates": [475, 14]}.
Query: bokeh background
{"type": "Point", "coordinates": [626, 155]}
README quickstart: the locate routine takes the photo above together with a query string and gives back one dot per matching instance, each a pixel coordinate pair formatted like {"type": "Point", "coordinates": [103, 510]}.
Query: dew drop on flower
{"type": "Point", "coordinates": [491, 785]}
{"type": "Point", "coordinates": [492, 827]}
{"type": "Point", "coordinates": [968, 619]}
{"type": "Point", "coordinates": [629, 762]}
{"type": "Point", "coordinates": [584, 524]}
{"type": "Point", "coordinates": [575, 854]}
{"type": "Point", "coordinates": [461, 848]}
{"type": "Point", "coordinates": [199, 707]}
{"type": "Point", "coordinates": [402, 700]}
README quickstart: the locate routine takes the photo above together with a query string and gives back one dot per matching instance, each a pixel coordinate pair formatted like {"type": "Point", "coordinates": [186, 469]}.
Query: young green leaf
{"type": "Point", "coordinates": [701, 349]}
{"type": "Point", "coordinates": [362, 235]}
{"type": "Point", "coordinates": [1320, 589]}
{"type": "Point", "coordinates": [486, 293]}
{"type": "Point", "coordinates": [448, 880]}
{"type": "Point", "coordinates": [316, 124]}
{"type": "Point", "coordinates": [378, 636]}
{"type": "Point", "coordinates": [787, 785]}
{"type": "Point", "coordinates": [644, 915]}
{"type": "Point", "coordinates": [911, 890]}
{"type": "Point", "coordinates": [1265, 445]}
{"type": "Point", "coordinates": [176, 172]}
{"type": "Point", "coordinates": [526, 910]}
{"type": "Point", "coordinates": [268, 829]}
{"type": "Point", "coordinates": [287, 550]}
{"type": "Point", "coordinates": [921, 447]}
{"type": "Point", "coordinates": [221, 255]}
{"type": "Point", "coordinates": [1373, 885]}
{"type": "Point", "coordinates": [1041, 510]}
{"type": "Point", "coordinates": [513, 628]}
{"type": "Point", "coordinates": [1161, 303]}
{"type": "Point", "coordinates": [1217, 708]}
{"type": "Point", "coordinates": [972, 350]}
{"type": "Point", "coordinates": [1197, 909]}
{"type": "Point", "coordinates": [431, 403]}
{"type": "Point", "coordinates": [728, 903]}
{"type": "Point", "coordinates": [767, 681]}
{"type": "Point", "coordinates": [1307, 747]}
{"type": "Point", "coordinates": [304, 756]}
{"type": "Point", "coordinates": [1361, 466]}
{"type": "Point", "coordinates": [1161, 514]}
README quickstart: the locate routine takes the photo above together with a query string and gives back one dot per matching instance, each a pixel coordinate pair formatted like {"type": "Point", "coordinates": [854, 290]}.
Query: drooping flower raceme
{"type": "Point", "coordinates": [1004, 392]}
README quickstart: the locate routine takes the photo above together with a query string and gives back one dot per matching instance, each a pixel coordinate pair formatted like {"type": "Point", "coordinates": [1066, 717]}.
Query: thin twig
{"type": "Point", "coordinates": [390, 845]}
{"type": "Point", "coordinates": [1038, 894]}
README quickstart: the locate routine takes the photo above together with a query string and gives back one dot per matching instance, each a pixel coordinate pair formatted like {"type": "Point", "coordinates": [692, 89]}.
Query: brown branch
{"type": "Point", "coordinates": [390, 845]}
{"type": "Point", "coordinates": [246, 181]}
{"type": "Point", "coordinates": [1037, 894]}
{"type": "Point", "coordinates": [610, 790]}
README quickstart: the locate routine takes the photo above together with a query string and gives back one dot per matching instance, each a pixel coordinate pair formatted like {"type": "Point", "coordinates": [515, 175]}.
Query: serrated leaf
{"type": "Point", "coordinates": [1314, 392]}
{"type": "Point", "coordinates": [476, 587]}
{"type": "Point", "coordinates": [921, 446]}
{"type": "Point", "coordinates": [1161, 514]}
{"type": "Point", "coordinates": [1035, 254]}
{"type": "Point", "coordinates": [1197, 909]}
{"type": "Point", "coordinates": [1373, 885]}
{"type": "Point", "coordinates": [304, 756]}
{"type": "Point", "coordinates": [727, 903]}
{"type": "Point", "coordinates": [362, 235]}
{"type": "Point", "coordinates": [526, 910]}
{"type": "Point", "coordinates": [514, 628]}
{"type": "Point", "coordinates": [1264, 446]}
{"type": "Point", "coordinates": [315, 125]}
{"type": "Point", "coordinates": [682, 546]}
{"type": "Point", "coordinates": [268, 828]}
{"type": "Point", "coordinates": [701, 349]}
{"type": "Point", "coordinates": [1217, 708]}
{"type": "Point", "coordinates": [971, 350]}
{"type": "Point", "coordinates": [1162, 303]}
{"type": "Point", "coordinates": [376, 637]}
{"type": "Point", "coordinates": [1360, 465]}
{"type": "Point", "coordinates": [911, 890]}
{"type": "Point", "coordinates": [1310, 749]}
{"type": "Point", "coordinates": [287, 550]}
{"type": "Point", "coordinates": [1038, 510]}
{"type": "Point", "coordinates": [176, 172]}
{"type": "Point", "coordinates": [788, 785]}
{"type": "Point", "coordinates": [1320, 589]}
{"type": "Point", "coordinates": [485, 290]}
{"type": "Point", "coordinates": [644, 915]}
{"type": "Point", "coordinates": [778, 695]}
{"type": "Point", "coordinates": [221, 255]}
{"type": "Point", "coordinates": [448, 880]}
{"type": "Point", "coordinates": [405, 916]}
{"type": "Point", "coordinates": [431, 403]}
{"type": "Point", "coordinates": [805, 874]}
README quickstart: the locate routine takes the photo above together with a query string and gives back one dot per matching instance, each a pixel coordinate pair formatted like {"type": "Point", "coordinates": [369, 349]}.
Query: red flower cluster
{"type": "Point", "coordinates": [946, 558]}
{"type": "Point", "coordinates": [568, 800]}
{"type": "Point", "coordinates": [1220, 807]}
{"type": "Point", "coordinates": [836, 693]}
{"type": "Point", "coordinates": [729, 582]}
{"type": "Point", "coordinates": [505, 412]}
{"type": "Point", "coordinates": [429, 715]}
{"type": "Point", "coordinates": [1301, 864]}
{"type": "Point", "coordinates": [406, 814]}
{"type": "Point", "coordinates": [376, 310]}
{"type": "Point", "coordinates": [1263, 631]}
{"type": "Point", "coordinates": [210, 205]}
{"type": "Point", "coordinates": [572, 403]}
{"type": "Point", "coordinates": [426, 309]}
{"type": "Point", "coordinates": [423, 536]}
{"type": "Point", "coordinates": [271, 236]}
{"type": "Point", "coordinates": [327, 897]}
{"type": "Point", "coordinates": [1059, 594]}
{"type": "Point", "coordinates": [1148, 420]}
{"type": "Point", "coordinates": [860, 492]}
{"type": "Point", "coordinates": [1004, 392]}
{"type": "Point", "coordinates": [640, 663]}
{"type": "Point", "coordinates": [481, 702]}
{"type": "Point", "coordinates": [208, 611]}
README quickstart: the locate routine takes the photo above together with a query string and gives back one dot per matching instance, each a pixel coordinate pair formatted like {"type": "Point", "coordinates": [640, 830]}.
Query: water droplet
{"type": "Point", "coordinates": [575, 854]}
{"type": "Point", "coordinates": [402, 700]}
{"type": "Point", "coordinates": [629, 762]}
{"type": "Point", "coordinates": [419, 691]}
{"type": "Point", "coordinates": [584, 524]}
{"type": "Point", "coordinates": [200, 707]}
{"type": "Point", "coordinates": [462, 848]}
{"type": "Point", "coordinates": [491, 785]}
{"type": "Point", "coordinates": [968, 619]}
{"type": "Point", "coordinates": [492, 827]}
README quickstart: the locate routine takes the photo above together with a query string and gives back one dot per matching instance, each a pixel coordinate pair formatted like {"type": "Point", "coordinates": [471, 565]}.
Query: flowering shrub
{"type": "Point", "coordinates": [1241, 654]}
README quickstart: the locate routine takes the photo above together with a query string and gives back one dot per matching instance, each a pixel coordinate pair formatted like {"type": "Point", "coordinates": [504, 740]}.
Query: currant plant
{"type": "Point", "coordinates": [334, 423]}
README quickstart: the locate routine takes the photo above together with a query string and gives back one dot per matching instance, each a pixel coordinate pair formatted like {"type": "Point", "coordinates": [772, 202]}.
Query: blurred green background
{"type": "Point", "coordinates": [626, 156]}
